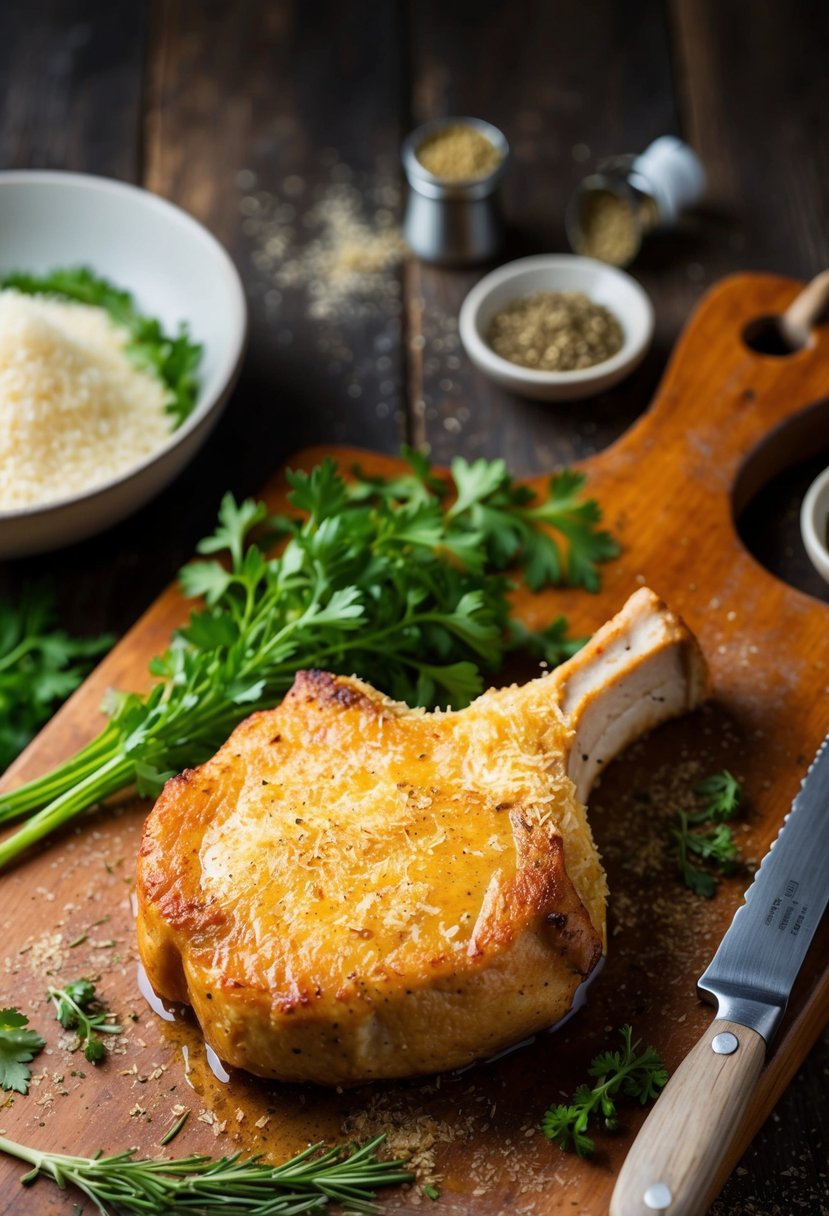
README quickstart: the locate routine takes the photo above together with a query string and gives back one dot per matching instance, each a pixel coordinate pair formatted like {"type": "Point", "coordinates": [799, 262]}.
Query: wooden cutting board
{"type": "Point", "coordinates": [725, 420]}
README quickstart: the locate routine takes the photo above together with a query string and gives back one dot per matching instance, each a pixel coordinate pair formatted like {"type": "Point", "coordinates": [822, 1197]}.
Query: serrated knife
{"type": "Point", "coordinates": [687, 1134]}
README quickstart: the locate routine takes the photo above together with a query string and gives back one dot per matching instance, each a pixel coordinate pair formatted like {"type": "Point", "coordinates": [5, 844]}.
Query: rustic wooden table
{"type": "Point", "coordinates": [276, 123]}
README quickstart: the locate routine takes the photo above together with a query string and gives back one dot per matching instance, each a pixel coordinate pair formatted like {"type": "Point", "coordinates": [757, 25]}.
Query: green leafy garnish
{"type": "Point", "coordinates": [78, 1008]}
{"type": "Point", "coordinates": [721, 794]}
{"type": "Point", "coordinates": [703, 835]}
{"type": "Point", "coordinates": [508, 518]}
{"type": "Point", "coordinates": [308, 1182]}
{"type": "Point", "coordinates": [638, 1076]}
{"type": "Point", "coordinates": [390, 579]}
{"type": "Point", "coordinates": [173, 360]}
{"type": "Point", "coordinates": [17, 1047]}
{"type": "Point", "coordinates": [39, 667]}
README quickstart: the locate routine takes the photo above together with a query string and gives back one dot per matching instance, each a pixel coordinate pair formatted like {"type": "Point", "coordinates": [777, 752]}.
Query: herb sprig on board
{"type": "Point", "coordinates": [635, 1074]}
{"type": "Point", "coordinates": [78, 1008]}
{"type": "Point", "coordinates": [400, 581]}
{"type": "Point", "coordinates": [308, 1182]}
{"type": "Point", "coordinates": [702, 836]}
{"type": "Point", "coordinates": [172, 359]}
{"type": "Point", "coordinates": [18, 1047]}
{"type": "Point", "coordinates": [40, 666]}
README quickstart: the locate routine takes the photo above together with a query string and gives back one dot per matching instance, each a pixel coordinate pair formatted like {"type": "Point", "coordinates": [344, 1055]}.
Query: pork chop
{"type": "Point", "coordinates": [352, 889]}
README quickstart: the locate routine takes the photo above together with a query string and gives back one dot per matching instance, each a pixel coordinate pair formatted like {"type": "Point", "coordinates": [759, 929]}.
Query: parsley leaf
{"type": "Point", "coordinates": [77, 1007]}
{"type": "Point", "coordinates": [721, 795]}
{"type": "Point", "coordinates": [638, 1076]}
{"type": "Point", "coordinates": [39, 667]}
{"type": "Point", "coordinates": [553, 541]}
{"type": "Point", "coordinates": [17, 1047]}
{"type": "Point", "coordinates": [174, 360]}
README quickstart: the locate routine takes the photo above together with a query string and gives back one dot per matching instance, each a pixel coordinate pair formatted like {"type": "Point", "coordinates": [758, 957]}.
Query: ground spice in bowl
{"type": "Point", "coordinates": [459, 153]}
{"type": "Point", "coordinates": [555, 331]}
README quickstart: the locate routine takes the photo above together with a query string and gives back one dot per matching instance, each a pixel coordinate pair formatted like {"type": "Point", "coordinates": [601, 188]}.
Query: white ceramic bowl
{"type": "Point", "coordinates": [814, 523]}
{"type": "Point", "coordinates": [175, 270]}
{"type": "Point", "coordinates": [604, 284]}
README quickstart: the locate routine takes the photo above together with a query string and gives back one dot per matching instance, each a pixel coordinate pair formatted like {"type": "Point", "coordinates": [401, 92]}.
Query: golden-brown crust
{"type": "Point", "coordinates": [350, 889]}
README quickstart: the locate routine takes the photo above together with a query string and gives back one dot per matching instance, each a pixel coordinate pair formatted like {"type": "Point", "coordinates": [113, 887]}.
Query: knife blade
{"type": "Point", "coordinates": [687, 1134]}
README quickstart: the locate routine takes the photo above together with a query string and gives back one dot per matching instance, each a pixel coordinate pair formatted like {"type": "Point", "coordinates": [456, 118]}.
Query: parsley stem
{"type": "Point", "coordinates": [42, 790]}
{"type": "Point", "coordinates": [112, 775]}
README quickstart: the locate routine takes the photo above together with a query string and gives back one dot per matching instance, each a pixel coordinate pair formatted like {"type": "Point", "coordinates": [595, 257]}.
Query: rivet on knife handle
{"type": "Point", "coordinates": [674, 1160]}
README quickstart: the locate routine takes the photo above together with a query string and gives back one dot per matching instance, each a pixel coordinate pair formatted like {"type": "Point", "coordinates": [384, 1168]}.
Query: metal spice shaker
{"type": "Point", "coordinates": [452, 223]}
{"type": "Point", "coordinates": [613, 210]}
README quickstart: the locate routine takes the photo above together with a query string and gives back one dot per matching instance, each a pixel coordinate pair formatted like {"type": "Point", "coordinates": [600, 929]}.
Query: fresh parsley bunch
{"type": "Point", "coordinates": [39, 667]}
{"type": "Point", "coordinates": [172, 359]}
{"type": "Point", "coordinates": [401, 581]}
{"type": "Point", "coordinates": [639, 1076]}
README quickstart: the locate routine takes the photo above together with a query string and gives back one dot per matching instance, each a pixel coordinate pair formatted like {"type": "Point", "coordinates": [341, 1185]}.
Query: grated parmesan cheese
{"type": "Point", "coordinates": [74, 411]}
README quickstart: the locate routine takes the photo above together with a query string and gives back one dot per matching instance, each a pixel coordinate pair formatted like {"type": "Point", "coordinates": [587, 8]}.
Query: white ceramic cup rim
{"type": "Point", "coordinates": [814, 511]}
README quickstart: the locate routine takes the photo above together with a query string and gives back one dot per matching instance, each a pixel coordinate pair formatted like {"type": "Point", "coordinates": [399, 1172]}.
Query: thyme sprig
{"type": "Point", "coordinates": [205, 1186]}
{"type": "Point", "coordinates": [400, 580]}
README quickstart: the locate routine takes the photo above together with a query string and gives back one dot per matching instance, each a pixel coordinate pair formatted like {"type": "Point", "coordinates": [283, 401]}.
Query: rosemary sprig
{"type": "Point", "coordinates": [204, 1186]}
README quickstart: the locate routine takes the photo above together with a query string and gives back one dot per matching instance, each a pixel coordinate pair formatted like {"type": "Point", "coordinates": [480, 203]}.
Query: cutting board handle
{"type": "Point", "coordinates": [729, 396]}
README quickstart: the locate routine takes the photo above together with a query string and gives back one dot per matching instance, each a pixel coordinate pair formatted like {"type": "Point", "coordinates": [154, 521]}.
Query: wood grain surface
{"type": "Point", "coordinates": [768, 648]}
{"type": "Point", "coordinates": [186, 95]}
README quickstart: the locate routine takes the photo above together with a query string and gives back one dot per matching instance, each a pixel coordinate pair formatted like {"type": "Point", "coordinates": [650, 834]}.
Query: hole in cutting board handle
{"type": "Point", "coordinates": [766, 336]}
{"type": "Point", "coordinates": [769, 489]}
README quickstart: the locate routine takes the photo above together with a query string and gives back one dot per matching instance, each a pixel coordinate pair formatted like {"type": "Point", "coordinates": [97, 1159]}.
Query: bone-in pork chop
{"type": "Point", "coordinates": [352, 889]}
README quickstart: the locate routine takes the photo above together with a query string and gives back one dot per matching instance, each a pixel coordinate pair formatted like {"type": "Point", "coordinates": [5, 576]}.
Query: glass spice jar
{"type": "Point", "coordinates": [613, 210]}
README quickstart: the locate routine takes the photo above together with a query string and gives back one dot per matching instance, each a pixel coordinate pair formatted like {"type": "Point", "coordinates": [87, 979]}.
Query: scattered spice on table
{"type": "Point", "coordinates": [328, 250]}
{"type": "Point", "coordinates": [459, 153]}
{"type": "Point", "coordinates": [339, 243]}
{"type": "Point", "coordinates": [555, 331]}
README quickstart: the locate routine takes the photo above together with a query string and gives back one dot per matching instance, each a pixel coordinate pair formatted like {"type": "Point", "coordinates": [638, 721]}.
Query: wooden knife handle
{"type": "Point", "coordinates": [673, 1162]}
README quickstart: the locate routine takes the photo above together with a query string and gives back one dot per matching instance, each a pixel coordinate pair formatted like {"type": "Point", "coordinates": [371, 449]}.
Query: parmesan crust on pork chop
{"type": "Point", "coordinates": [352, 889]}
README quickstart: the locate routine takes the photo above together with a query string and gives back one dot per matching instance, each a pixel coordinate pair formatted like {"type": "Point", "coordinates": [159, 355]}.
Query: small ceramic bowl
{"type": "Point", "coordinates": [814, 524]}
{"type": "Point", "coordinates": [604, 284]}
{"type": "Point", "coordinates": [175, 270]}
